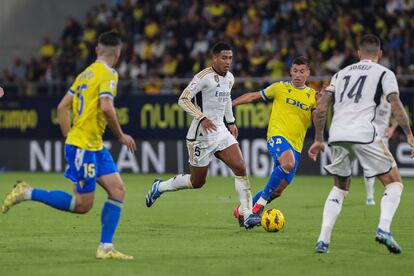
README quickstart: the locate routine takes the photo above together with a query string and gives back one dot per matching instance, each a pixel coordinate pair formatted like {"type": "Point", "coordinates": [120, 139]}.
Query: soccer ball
{"type": "Point", "coordinates": [273, 220]}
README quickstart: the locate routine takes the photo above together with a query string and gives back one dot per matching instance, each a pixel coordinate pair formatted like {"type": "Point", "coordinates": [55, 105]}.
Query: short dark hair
{"type": "Point", "coordinates": [110, 39]}
{"type": "Point", "coordinates": [301, 60]}
{"type": "Point", "coordinates": [370, 44]}
{"type": "Point", "coordinates": [220, 46]}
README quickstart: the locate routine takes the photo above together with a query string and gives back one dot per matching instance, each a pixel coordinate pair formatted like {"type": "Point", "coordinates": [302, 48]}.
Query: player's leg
{"type": "Point", "coordinates": [277, 193]}
{"type": "Point", "coordinates": [331, 211]}
{"type": "Point", "coordinates": [389, 204]}
{"type": "Point", "coordinates": [233, 158]}
{"type": "Point", "coordinates": [340, 167]}
{"type": "Point", "coordinates": [285, 164]}
{"type": "Point", "coordinates": [369, 188]}
{"type": "Point", "coordinates": [200, 155]}
{"type": "Point", "coordinates": [82, 174]}
{"type": "Point", "coordinates": [376, 160]}
{"type": "Point", "coordinates": [110, 180]}
{"type": "Point", "coordinates": [195, 180]}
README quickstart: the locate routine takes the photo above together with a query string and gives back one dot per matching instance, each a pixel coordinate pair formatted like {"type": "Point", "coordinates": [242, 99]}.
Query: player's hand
{"type": "Point", "coordinates": [315, 149]}
{"type": "Point", "coordinates": [1, 92]}
{"type": "Point", "coordinates": [410, 141]}
{"type": "Point", "coordinates": [208, 125]}
{"type": "Point", "coordinates": [234, 130]}
{"type": "Point", "coordinates": [129, 142]}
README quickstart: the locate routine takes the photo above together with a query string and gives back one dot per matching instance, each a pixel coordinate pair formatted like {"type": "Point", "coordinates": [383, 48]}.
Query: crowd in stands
{"type": "Point", "coordinates": [172, 38]}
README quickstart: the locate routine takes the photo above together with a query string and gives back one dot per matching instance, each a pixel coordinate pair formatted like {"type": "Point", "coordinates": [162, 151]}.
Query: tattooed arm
{"type": "Point", "coordinates": [319, 120]}
{"type": "Point", "coordinates": [401, 117]}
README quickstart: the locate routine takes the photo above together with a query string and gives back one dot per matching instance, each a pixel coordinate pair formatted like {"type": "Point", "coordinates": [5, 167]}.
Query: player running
{"type": "Point", "coordinates": [293, 103]}
{"type": "Point", "coordinates": [208, 135]}
{"type": "Point", "coordinates": [356, 91]}
{"type": "Point", "coordinates": [91, 100]}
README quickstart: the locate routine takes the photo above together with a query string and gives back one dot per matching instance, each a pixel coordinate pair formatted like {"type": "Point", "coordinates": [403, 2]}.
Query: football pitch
{"type": "Point", "coordinates": [194, 233]}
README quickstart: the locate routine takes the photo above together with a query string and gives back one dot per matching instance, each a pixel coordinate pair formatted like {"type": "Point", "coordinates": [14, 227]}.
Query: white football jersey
{"type": "Point", "coordinates": [208, 95]}
{"type": "Point", "coordinates": [358, 89]}
{"type": "Point", "coordinates": [382, 118]}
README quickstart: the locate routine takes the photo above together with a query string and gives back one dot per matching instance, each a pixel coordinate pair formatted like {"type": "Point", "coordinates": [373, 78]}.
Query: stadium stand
{"type": "Point", "coordinates": [170, 39]}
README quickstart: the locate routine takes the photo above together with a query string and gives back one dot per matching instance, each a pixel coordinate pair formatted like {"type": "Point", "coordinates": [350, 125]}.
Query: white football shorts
{"type": "Point", "coordinates": [201, 152]}
{"type": "Point", "coordinates": [375, 158]}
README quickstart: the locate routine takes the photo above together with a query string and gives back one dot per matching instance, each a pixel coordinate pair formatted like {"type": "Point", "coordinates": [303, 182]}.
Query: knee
{"type": "Point", "coordinates": [83, 206]}
{"type": "Point", "coordinates": [288, 166]}
{"type": "Point", "coordinates": [198, 183]}
{"type": "Point", "coordinates": [117, 192]}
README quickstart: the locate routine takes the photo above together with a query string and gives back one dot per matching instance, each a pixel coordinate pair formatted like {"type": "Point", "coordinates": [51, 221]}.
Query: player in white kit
{"type": "Point", "coordinates": [384, 131]}
{"type": "Point", "coordinates": [357, 90]}
{"type": "Point", "coordinates": [208, 135]}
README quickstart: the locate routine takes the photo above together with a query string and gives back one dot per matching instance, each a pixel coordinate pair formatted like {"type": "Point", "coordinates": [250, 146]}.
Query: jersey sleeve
{"type": "Point", "coordinates": [195, 86]}
{"type": "Point", "coordinates": [269, 92]}
{"type": "Point", "coordinates": [333, 84]}
{"type": "Point", "coordinates": [389, 83]}
{"type": "Point", "coordinates": [108, 87]}
{"type": "Point", "coordinates": [73, 87]}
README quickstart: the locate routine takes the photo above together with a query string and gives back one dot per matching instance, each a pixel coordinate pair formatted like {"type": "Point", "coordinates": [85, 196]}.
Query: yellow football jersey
{"type": "Point", "coordinates": [96, 81]}
{"type": "Point", "coordinates": [291, 111]}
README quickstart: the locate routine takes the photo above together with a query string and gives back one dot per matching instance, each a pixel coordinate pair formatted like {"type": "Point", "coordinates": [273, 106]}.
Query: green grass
{"type": "Point", "coordinates": [194, 233]}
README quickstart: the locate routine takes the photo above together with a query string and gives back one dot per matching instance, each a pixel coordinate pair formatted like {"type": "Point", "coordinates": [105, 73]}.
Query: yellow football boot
{"type": "Point", "coordinates": [15, 196]}
{"type": "Point", "coordinates": [111, 253]}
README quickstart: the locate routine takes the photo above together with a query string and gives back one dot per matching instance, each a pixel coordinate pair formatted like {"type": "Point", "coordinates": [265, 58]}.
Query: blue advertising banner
{"type": "Point", "coordinates": [144, 117]}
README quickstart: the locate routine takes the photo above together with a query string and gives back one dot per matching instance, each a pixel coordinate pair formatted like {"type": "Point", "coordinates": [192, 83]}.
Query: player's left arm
{"type": "Point", "coordinates": [230, 120]}
{"type": "Point", "coordinates": [401, 117]}
{"type": "Point", "coordinates": [63, 113]}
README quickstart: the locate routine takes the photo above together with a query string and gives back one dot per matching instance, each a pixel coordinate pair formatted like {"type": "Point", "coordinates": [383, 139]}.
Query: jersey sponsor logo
{"type": "Point", "coordinates": [296, 103]}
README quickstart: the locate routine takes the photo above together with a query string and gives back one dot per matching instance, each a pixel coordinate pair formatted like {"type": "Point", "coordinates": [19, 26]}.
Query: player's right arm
{"type": "Point", "coordinates": [249, 97]}
{"type": "Point", "coordinates": [265, 95]}
{"type": "Point", "coordinates": [401, 117]}
{"type": "Point", "coordinates": [195, 86]}
{"type": "Point", "coordinates": [63, 113]}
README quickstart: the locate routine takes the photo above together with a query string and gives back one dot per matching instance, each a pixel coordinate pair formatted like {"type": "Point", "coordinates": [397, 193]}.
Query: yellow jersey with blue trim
{"type": "Point", "coordinates": [97, 81]}
{"type": "Point", "coordinates": [291, 111]}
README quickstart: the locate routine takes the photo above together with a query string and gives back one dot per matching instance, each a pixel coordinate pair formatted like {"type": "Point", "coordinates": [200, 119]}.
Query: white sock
{"type": "Point", "coordinates": [242, 186]}
{"type": "Point", "coordinates": [262, 201]}
{"type": "Point", "coordinates": [105, 246]}
{"type": "Point", "coordinates": [178, 182]}
{"type": "Point", "coordinates": [28, 194]}
{"type": "Point", "coordinates": [369, 187]}
{"type": "Point", "coordinates": [389, 204]}
{"type": "Point", "coordinates": [333, 206]}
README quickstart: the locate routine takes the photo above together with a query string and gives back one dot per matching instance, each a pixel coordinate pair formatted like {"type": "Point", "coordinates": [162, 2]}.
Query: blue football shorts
{"type": "Point", "coordinates": [276, 146]}
{"type": "Point", "coordinates": [85, 167]}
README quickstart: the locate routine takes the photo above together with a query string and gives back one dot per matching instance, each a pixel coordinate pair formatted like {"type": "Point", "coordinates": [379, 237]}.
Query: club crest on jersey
{"type": "Point", "coordinates": [307, 94]}
{"type": "Point", "coordinates": [216, 78]}
{"type": "Point", "coordinates": [289, 90]}
{"type": "Point", "coordinates": [296, 103]}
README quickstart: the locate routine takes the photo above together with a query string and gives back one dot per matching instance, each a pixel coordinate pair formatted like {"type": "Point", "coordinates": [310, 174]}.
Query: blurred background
{"type": "Point", "coordinates": [45, 44]}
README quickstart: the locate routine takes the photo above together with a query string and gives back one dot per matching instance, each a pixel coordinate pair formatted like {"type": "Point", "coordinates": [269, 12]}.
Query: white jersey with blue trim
{"type": "Point", "coordinates": [208, 96]}
{"type": "Point", "coordinates": [358, 89]}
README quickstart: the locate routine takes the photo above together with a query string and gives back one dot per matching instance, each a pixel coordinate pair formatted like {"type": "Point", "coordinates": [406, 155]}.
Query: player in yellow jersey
{"type": "Point", "coordinates": [90, 99]}
{"type": "Point", "coordinates": [293, 103]}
